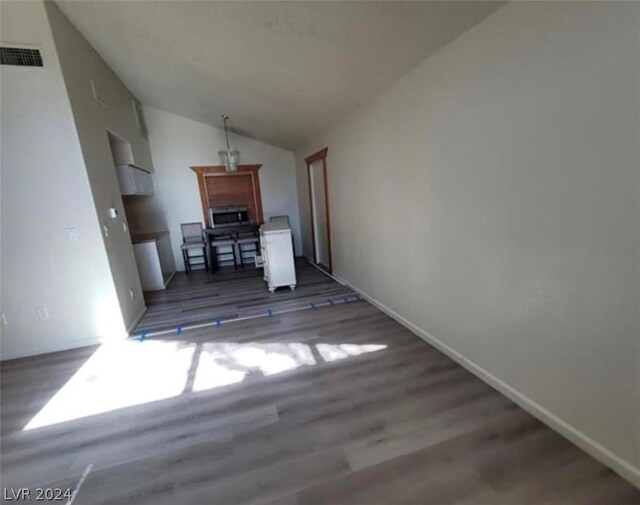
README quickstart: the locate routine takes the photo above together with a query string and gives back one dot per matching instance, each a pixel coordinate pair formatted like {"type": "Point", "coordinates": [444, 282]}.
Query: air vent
{"type": "Point", "coordinates": [21, 57]}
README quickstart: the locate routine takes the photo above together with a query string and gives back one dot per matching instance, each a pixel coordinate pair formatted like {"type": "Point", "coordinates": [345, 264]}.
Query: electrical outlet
{"type": "Point", "coordinates": [42, 312]}
{"type": "Point", "coordinates": [106, 230]}
{"type": "Point", "coordinates": [132, 295]}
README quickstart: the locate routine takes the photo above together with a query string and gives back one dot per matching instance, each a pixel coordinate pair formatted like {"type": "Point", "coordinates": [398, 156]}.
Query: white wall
{"type": "Point", "coordinates": [45, 189]}
{"type": "Point", "coordinates": [177, 144]}
{"type": "Point", "coordinates": [81, 65]}
{"type": "Point", "coordinates": [490, 199]}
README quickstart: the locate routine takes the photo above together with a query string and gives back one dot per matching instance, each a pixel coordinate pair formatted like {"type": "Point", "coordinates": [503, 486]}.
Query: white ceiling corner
{"type": "Point", "coordinates": [283, 71]}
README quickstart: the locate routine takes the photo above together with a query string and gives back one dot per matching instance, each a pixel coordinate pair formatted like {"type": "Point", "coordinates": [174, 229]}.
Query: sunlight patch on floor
{"type": "Point", "coordinates": [132, 373]}
{"type": "Point", "coordinates": [335, 352]}
{"type": "Point", "coordinates": [117, 376]}
{"type": "Point", "coordinates": [226, 363]}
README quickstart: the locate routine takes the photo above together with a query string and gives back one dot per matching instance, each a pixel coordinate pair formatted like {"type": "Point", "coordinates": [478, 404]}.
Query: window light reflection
{"type": "Point", "coordinates": [129, 373]}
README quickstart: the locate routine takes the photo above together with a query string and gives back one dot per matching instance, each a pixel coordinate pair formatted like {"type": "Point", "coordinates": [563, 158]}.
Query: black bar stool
{"type": "Point", "coordinates": [223, 242]}
{"type": "Point", "coordinates": [242, 242]}
{"type": "Point", "coordinates": [192, 239]}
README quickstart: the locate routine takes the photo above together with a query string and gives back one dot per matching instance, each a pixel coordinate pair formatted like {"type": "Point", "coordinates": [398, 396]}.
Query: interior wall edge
{"type": "Point", "coordinates": [92, 122]}
{"type": "Point", "coordinates": [136, 319]}
{"type": "Point", "coordinates": [619, 465]}
{"type": "Point", "coordinates": [42, 266]}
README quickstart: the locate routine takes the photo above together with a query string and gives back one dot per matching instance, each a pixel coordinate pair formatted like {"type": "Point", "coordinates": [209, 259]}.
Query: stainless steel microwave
{"type": "Point", "coordinates": [233, 215]}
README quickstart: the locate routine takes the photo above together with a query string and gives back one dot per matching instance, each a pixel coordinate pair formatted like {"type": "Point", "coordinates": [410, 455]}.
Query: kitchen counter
{"type": "Point", "coordinates": [141, 238]}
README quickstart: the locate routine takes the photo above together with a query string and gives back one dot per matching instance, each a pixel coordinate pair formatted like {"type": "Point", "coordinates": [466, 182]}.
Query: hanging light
{"type": "Point", "coordinates": [230, 159]}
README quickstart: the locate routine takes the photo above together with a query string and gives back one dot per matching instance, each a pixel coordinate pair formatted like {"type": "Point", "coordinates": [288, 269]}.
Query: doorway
{"type": "Point", "coordinates": [319, 204]}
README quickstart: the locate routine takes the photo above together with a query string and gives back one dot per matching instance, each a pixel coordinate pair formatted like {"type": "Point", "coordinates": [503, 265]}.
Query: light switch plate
{"type": "Point", "coordinates": [72, 234]}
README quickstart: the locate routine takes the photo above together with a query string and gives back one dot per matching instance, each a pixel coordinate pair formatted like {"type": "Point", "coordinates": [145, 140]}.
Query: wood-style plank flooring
{"type": "Point", "coordinates": [340, 405]}
{"type": "Point", "coordinates": [202, 297]}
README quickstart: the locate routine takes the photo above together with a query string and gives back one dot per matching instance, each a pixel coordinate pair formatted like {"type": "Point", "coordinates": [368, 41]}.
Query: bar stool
{"type": "Point", "coordinates": [223, 242]}
{"type": "Point", "coordinates": [192, 240]}
{"type": "Point", "coordinates": [247, 240]}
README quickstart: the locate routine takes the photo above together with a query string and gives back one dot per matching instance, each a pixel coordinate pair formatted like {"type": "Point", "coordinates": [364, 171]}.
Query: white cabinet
{"type": "Point", "coordinates": [134, 180]}
{"type": "Point", "coordinates": [154, 258]}
{"type": "Point", "coordinates": [277, 255]}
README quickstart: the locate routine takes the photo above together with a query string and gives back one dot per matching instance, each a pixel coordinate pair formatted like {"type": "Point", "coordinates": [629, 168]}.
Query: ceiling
{"type": "Point", "coordinates": [283, 71]}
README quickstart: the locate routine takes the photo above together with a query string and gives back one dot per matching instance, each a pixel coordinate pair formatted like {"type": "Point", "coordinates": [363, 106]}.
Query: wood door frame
{"type": "Point", "coordinates": [220, 171]}
{"type": "Point", "coordinates": [321, 155]}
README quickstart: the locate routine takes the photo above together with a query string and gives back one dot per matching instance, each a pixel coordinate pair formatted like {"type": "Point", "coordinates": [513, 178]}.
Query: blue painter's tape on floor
{"type": "Point", "coordinates": [218, 323]}
{"type": "Point", "coordinates": [331, 302]}
{"type": "Point", "coordinates": [270, 313]}
{"type": "Point", "coordinates": [179, 330]}
{"type": "Point", "coordinates": [142, 336]}
{"type": "Point", "coordinates": [346, 299]}
{"type": "Point", "coordinates": [313, 306]}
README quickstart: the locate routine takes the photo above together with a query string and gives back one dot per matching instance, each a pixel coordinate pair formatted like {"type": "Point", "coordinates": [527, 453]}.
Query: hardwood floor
{"type": "Point", "coordinates": [335, 405]}
{"type": "Point", "coordinates": [229, 293]}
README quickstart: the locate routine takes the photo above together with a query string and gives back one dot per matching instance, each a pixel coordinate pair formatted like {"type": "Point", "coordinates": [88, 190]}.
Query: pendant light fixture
{"type": "Point", "coordinates": [230, 159]}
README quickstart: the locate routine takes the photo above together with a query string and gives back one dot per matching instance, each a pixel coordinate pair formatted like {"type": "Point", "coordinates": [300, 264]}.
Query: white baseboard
{"type": "Point", "coordinates": [337, 279]}
{"type": "Point", "coordinates": [574, 435]}
{"type": "Point", "coordinates": [65, 346]}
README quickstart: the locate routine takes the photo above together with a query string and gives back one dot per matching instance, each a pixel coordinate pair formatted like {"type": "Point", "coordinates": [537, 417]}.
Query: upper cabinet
{"type": "Point", "coordinates": [133, 177]}
{"type": "Point", "coordinates": [134, 181]}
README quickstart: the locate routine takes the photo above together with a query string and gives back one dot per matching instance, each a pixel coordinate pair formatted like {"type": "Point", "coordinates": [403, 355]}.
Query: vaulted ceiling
{"type": "Point", "coordinates": [283, 71]}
